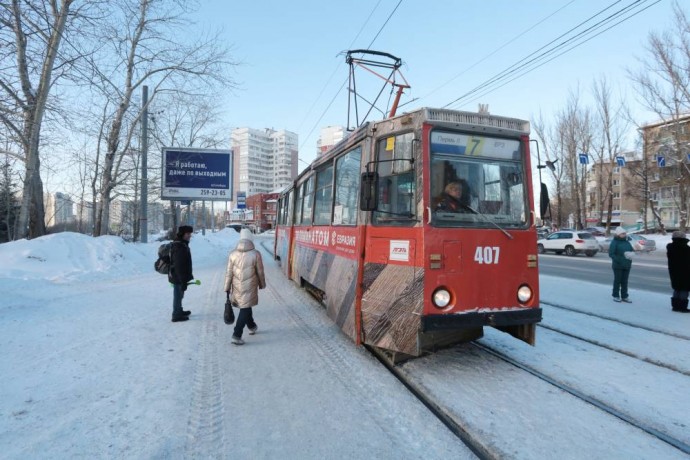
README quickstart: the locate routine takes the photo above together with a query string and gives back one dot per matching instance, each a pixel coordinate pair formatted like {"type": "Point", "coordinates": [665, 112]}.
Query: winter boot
{"type": "Point", "coordinates": [680, 305]}
{"type": "Point", "coordinates": [177, 319]}
{"type": "Point", "coordinates": [186, 312]}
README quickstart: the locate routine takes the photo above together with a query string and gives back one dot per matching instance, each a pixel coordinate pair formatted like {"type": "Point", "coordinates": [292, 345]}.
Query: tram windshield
{"type": "Point", "coordinates": [475, 180]}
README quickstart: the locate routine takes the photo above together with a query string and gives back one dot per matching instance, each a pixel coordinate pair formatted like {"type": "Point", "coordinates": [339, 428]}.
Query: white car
{"type": "Point", "coordinates": [571, 242]}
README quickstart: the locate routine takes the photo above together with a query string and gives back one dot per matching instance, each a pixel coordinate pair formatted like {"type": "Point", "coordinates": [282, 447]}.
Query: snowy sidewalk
{"type": "Point", "coordinates": [93, 367]}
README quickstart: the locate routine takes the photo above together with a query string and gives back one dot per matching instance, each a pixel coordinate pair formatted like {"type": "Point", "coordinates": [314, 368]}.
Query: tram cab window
{"type": "Point", "coordinates": [492, 170]}
{"type": "Point", "coordinates": [397, 181]}
{"type": "Point", "coordinates": [324, 196]}
{"type": "Point", "coordinates": [347, 179]}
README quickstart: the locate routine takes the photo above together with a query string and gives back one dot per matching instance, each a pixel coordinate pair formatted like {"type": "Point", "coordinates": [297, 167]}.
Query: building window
{"type": "Point", "coordinates": [616, 194]}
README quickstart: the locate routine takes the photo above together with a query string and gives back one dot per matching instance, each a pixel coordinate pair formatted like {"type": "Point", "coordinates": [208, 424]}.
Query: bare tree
{"type": "Point", "coordinates": [612, 124]}
{"type": "Point", "coordinates": [146, 49]}
{"type": "Point", "coordinates": [31, 33]}
{"type": "Point", "coordinates": [663, 82]}
{"type": "Point", "coordinates": [551, 140]}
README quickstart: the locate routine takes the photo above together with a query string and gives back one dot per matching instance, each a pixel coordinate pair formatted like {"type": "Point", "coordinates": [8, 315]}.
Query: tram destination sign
{"type": "Point", "coordinates": [196, 174]}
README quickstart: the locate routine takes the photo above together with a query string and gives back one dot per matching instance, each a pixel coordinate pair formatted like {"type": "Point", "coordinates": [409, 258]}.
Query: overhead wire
{"type": "Point", "coordinates": [337, 67]}
{"type": "Point", "coordinates": [521, 64]}
{"type": "Point", "coordinates": [488, 91]}
{"type": "Point", "coordinates": [456, 76]}
{"type": "Point", "coordinates": [346, 80]}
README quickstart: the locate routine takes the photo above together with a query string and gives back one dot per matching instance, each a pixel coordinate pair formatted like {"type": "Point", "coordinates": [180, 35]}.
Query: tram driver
{"type": "Point", "coordinates": [455, 198]}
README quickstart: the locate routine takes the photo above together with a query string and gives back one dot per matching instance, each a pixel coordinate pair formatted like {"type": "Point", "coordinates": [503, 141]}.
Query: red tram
{"type": "Point", "coordinates": [417, 231]}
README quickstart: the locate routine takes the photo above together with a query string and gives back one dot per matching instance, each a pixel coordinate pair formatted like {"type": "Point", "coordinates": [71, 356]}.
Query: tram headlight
{"type": "Point", "coordinates": [524, 294]}
{"type": "Point", "coordinates": [441, 298]}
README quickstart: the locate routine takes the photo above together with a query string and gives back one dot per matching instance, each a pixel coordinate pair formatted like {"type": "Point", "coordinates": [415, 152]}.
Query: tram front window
{"type": "Point", "coordinates": [475, 179]}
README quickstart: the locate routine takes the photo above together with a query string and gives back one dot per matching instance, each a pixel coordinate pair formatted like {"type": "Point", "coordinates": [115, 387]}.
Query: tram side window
{"type": "Point", "coordinates": [288, 219]}
{"type": "Point", "coordinates": [308, 197]}
{"type": "Point", "coordinates": [324, 196]}
{"type": "Point", "coordinates": [298, 204]}
{"type": "Point", "coordinates": [347, 178]}
{"type": "Point", "coordinates": [397, 186]}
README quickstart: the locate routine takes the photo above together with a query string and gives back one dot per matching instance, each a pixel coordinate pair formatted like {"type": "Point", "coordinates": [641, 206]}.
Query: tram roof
{"type": "Point", "coordinates": [455, 119]}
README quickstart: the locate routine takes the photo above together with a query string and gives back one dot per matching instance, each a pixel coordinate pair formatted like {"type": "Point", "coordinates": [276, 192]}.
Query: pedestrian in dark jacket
{"type": "Point", "coordinates": [244, 276]}
{"type": "Point", "coordinates": [678, 253]}
{"type": "Point", "coordinates": [180, 271]}
{"type": "Point", "coordinates": [621, 253]}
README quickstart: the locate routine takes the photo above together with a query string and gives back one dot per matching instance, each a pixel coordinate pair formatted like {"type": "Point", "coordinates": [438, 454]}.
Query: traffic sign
{"type": "Point", "coordinates": [620, 161]}
{"type": "Point", "coordinates": [241, 200]}
{"type": "Point", "coordinates": [584, 159]}
{"type": "Point", "coordinates": [660, 161]}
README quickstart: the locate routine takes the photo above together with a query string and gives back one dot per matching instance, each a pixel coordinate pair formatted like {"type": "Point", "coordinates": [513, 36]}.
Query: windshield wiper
{"type": "Point", "coordinates": [486, 218]}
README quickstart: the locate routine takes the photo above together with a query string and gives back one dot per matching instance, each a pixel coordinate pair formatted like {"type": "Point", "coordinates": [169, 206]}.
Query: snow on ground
{"type": "Point", "coordinates": [93, 367]}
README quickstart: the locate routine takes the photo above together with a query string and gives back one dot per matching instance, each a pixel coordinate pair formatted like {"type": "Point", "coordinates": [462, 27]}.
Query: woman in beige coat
{"type": "Point", "coordinates": [244, 276]}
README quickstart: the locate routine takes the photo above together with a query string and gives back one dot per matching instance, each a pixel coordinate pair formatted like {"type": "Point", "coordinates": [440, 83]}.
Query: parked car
{"type": "Point", "coordinates": [570, 242]}
{"type": "Point", "coordinates": [596, 231]}
{"type": "Point", "coordinates": [639, 243]}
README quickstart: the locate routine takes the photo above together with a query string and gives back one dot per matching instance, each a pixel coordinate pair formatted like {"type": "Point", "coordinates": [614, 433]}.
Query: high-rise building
{"type": "Point", "coordinates": [263, 159]}
{"type": "Point", "coordinates": [330, 135]}
{"type": "Point", "coordinates": [58, 209]}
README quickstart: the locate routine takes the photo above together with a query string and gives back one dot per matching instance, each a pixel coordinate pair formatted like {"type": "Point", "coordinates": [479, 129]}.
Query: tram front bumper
{"type": "Point", "coordinates": [497, 319]}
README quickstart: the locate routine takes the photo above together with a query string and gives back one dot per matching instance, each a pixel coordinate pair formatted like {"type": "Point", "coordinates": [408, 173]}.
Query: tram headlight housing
{"type": "Point", "coordinates": [441, 298]}
{"type": "Point", "coordinates": [524, 294]}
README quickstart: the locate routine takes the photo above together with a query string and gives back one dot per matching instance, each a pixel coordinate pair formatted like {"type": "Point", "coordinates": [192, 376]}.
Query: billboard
{"type": "Point", "coordinates": [196, 174]}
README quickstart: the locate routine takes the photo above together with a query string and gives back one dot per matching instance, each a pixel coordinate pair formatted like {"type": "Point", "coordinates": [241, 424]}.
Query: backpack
{"type": "Point", "coordinates": [162, 264]}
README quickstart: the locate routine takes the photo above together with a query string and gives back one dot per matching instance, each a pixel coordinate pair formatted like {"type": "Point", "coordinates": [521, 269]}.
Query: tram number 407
{"type": "Point", "coordinates": [487, 254]}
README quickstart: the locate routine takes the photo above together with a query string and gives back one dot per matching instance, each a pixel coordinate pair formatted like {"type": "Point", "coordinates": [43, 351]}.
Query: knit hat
{"type": "Point", "coordinates": [184, 229]}
{"type": "Point", "coordinates": [619, 231]}
{"type": "Point", "coordinates": [678, 235]}
{"type": "Point", "coordinates": [245, 234]}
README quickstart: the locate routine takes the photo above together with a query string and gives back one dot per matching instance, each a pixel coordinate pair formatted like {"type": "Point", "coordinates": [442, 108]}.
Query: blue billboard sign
{"type": "Point", "coordinates": [196, 174]}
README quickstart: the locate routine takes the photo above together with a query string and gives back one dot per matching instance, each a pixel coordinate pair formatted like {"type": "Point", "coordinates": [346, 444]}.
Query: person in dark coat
{"type": "Point", "coordinates": [456, 197]}
{"type": "Point", "coordinates": [621, 253]}
{"type": "Point", "coordinates": [678, 254]}
{"type": "Point", "coordinates": [180, 271]}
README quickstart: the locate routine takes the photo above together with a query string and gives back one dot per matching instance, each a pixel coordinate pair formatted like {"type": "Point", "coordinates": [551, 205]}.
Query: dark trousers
{"type": "Point", "coordinates": [682, 295]}
{"type": "Point", "coordinates": [178, 294]}
{"type": "Point", "coordinates": [620, 282]}
{"type": "Point", "coordinates": [244, 318]}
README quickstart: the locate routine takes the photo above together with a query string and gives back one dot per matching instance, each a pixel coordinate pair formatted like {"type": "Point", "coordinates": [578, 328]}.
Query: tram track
{"type": "Point", "coordinates": [627, 353]}
{"type": "Point", "coordinates": [485, 447]}
{"type": "Point", "coordinates": [677, 443]}
{"type": "Point", "coordinates": [617, 320]}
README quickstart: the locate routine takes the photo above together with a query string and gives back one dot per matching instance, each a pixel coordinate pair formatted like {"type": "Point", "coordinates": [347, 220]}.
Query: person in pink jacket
{"type": "Point", "coordinates": [244, 276]}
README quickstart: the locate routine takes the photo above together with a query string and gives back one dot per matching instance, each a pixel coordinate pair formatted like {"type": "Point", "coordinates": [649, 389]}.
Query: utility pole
{"type": "Point", "coordinates": [143, 222]}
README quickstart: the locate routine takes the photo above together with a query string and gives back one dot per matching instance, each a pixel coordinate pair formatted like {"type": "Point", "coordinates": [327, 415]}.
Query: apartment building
{"type": "Point", "coordinates": [647, 183]}
{"type": "Point", "coordinates": [627, 204]}
{"type": "Point", "coordinates": [263, 159]}
{"type": "Point", "coordinates": [330, 135]}
{"type": "Point", "coordinates": [58, 209]}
